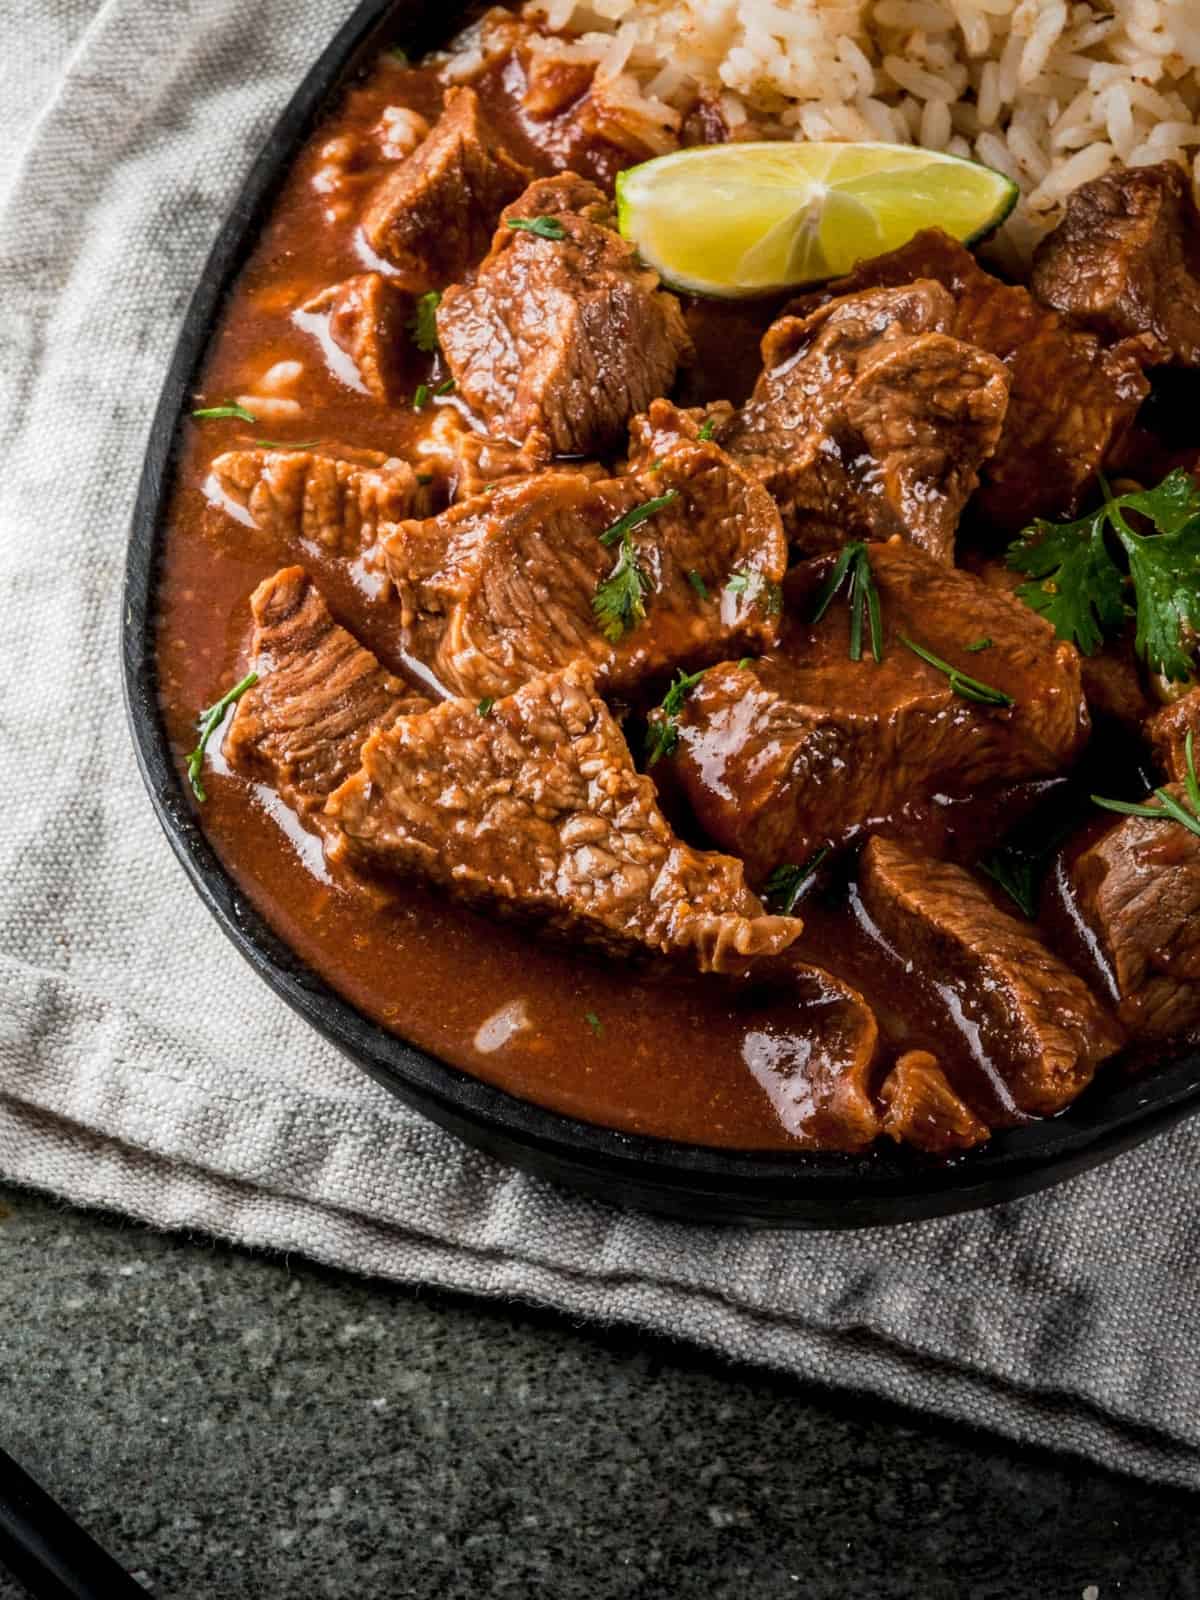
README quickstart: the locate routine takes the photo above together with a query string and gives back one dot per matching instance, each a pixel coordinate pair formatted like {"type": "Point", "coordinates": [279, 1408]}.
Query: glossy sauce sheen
{"type": "Point", "coordinates": [671, 1056]}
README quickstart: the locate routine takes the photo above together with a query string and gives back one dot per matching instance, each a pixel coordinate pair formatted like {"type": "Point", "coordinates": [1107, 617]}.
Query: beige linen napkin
{"type": "Point", "coordinates": [142, 1065]}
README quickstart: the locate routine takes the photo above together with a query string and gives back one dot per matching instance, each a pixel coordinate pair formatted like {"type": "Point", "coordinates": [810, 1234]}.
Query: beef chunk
{"type": "Point", "coordinates": [338, 502]}
{"type": "Point", "coordinates": [1167, 731]}
{"type": "Point", "coordinates": [1125, 259]}
{"type": "Point", "coordinates": [811, 1044]}
{"type": "Point", "coordinates": [1136, 888]}
{"type": "Point", "coordinates": [536, 809]}
{"type": "Point", "coordinates": [432, 217]}
{"type": "Point", "coordinates": [1036, 1021]}
{"type": "Point", "coordinates": [804, 747]}
{"type": "Point", "coordinates": [560, 340]}
{"type": "Point", "coordinates": [301, 727]}
{"type": "Point", "coordinates": [500, 589]}
{"type": "Point", "coordinates": [1070, 399]}
{"type": "Point", "coordinates": [921, 1108]}
{"type": "Point", "coordinates": [869, 421]}
{"type": "Point", "coordinates": [361, 324]}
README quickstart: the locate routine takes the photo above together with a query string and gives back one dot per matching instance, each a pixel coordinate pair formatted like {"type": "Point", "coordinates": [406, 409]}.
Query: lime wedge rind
{"type": "Point", "coordinates": [732, 220]}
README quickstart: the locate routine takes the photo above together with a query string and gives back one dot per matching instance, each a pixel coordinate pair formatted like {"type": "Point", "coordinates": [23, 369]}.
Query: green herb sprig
{"type": "Point", "coordinates": [619, 602]}
{"type": "Point", "coordinates": [783, 888]}
{"type": "Point", "coordinates": [484, 708]}
{"type": "Point", "coordinates": [961, 683]}
{"type": "Point", "coordinates": [423, 324]}
{"type": "Point", "coordinates": [230, 410]}
{"type": "Point", "coordinates": [707, 429]}
{"type": "Point", "coordinates": [853, 568]}
{"type": "Point", "coordinates": [208, 722]}
{"type": "Point", "coordinates": [662, 732]}
{"type": "Point", "coordinates": [760, 591]}
{"type": "Point", "coordinates": [543, 227]}
{"type": "Point", "coordinates": [1168, 808]}
{"type": "Point", "coordinates": [1078, 585]}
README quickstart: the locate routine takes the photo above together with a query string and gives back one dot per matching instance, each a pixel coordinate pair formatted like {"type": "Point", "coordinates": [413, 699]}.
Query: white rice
{"type": "Point", "coordinates": [1050, 92]}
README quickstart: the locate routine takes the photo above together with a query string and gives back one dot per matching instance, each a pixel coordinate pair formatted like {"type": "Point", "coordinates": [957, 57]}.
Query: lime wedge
{"type": "Point", "coordinates": [741, 219]}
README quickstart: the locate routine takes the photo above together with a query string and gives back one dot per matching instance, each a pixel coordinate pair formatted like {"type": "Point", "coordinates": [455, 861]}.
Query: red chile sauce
{"type": "Point", "coordinates": [646, 1053]}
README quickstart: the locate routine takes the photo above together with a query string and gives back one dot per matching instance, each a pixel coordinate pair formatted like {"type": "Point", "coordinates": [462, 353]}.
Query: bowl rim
{"type": "Point", "coordinates": [776, 1188]}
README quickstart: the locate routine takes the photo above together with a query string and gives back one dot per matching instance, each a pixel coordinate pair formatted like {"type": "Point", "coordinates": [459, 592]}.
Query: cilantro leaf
{"type": "Point", "coordinates": [1077, 586]}
{"type": "Point", "coordinates": [423, 325]}
{"type": "Point", "coordinates": [619, 603]}
{"type": "Point", "coordinates": [782, 889]}
{"type": "Point", "coordinates": [1080, 586]}
{"type": "Point", "coordinates": [1165, 569]}
{"type": "Point", "coordinates": [662, 732]}
{"type": "Point", "coordinates": [543, 227]}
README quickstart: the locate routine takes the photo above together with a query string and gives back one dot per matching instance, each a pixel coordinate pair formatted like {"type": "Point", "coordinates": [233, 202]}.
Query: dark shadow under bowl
{"type": "Point", "coordinates": [790, 1190]}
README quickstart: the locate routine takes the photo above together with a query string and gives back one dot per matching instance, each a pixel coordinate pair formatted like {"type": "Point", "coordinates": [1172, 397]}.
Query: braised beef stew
{"type": "Point", "coordinates": [627, 699]}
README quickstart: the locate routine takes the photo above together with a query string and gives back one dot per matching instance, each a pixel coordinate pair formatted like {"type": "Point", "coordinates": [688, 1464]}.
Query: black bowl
{"type": "Point", "coordinates": [779, 1189]}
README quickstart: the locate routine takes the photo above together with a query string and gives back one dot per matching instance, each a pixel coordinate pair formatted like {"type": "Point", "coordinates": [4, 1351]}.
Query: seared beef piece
{"type": "Point", "coordinates": [921, 1108]}
{"type": "Point", "coordinates": [814, 1060]}
{"type": "Point", "coordinates": [664, 425]}
{"type": "Point", "coordinates": [1038, 1023]}
{"type": "Point", "coordinates": [558, 342]}
{"type": "Point", "coordinates": [1136, 888]}
{"type": "Point", "coordinates": [804, 747]}
{"type": "Point", "coordinates": [432, 217]}
{"type": "Point", "coordinates": [339, 502]}
{"type": "Point", "coordinates": [301, 727]}
{"type": "Point", "coordinates": [1167, 731]}
{"type": "Point", "coordinates": [868, 421]}
{"type": "Point", "coordinates": [535, 809]}
{"type": "Point", "coordinates": [364, 320]}
{"type": "Point", "coordinates": [500, 589]}
{"type": "Point", "coordinates": [1125, 259]}
{"type": "Point", "coordinates": [1070, 399]}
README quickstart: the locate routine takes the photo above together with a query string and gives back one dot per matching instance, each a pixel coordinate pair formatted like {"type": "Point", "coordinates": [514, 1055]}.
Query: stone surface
{"type": "Point", "coordinates": [250, 1427]}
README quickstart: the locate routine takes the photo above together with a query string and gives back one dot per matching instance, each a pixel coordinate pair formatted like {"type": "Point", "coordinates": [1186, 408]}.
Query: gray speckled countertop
{"type": "Point", "coordinates": [234, 1425]}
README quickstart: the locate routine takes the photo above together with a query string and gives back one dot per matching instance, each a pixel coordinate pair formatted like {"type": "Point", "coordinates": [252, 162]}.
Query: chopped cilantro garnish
{"type": "Point", "coordinates": [960, 682]}
{"type": "Point", "coordinates": [1078, 585]}
{"type": "Point", "coordinates": [745, 662]}
{"type": "Point", "coordinates": [1168, 808]}
{"type": "Point", "coordinates": [698, 583]}
{"type": "Point", "coordinates": [484, 707]}
{"type": "Point", "coordinates": [639, 514]}
{"type": "Point", "coordinates": [285, 444]}
{"type": "Point", "coordinates": [764, 592]}
{"type": "Point", "coordinates": [619, 602]}
{"type": "Point", "coordinates": [208, 722]}
{"type": "Point", "coordinates": [662, 732]}
{"type": "Point", "coordinates": [230, 410]}
{"type": "Point", "coordinates": [594, 1023]}
{"type": "Point", "coordinates": [445, 387]}
{"type": "Point", "coordinates": [854, 565]}
{"type": "Point", "coordinates": [423, 325]}
{"type": "Point", "coordinates": [976, 645]}
{"type": "Point", "coordinates": [783, 887]}
{"type": "Point", "coordinates": [706, 432]}
{"type": "Point", "coordinates": [420, 397]}
{"type": "Point", "coordinates": [544, 227]}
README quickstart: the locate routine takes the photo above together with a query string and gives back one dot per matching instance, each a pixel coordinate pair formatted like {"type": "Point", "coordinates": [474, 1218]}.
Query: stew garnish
{"type": "Point", "coordinates": [423, 325]}
{"type": "Point", "coordinates": [594, 1023]}
{"type": "Point", "coordinates": [208, 722]}
{"type": "Point", "coordinates": [1168, 808]}
{"type": "Point", "coordinates": [286, 444]}
{"type": "Point", "coordinates": [782, 889]}
{"type": "Point", "coordinates": [855, 564]}
{"type": "Point", "coordinates": [706, 431]}
{"type": "Point", "coordinates": [445, 387]}
{"type": "Point", "coordinates": [619, 603]}
{"type": "Point", "coordinates": [976, 645]}
{"type": "Point", "coordinates": [484, 707]}
{"type": "Point", "coordinates": [230, 410]}
{"type": "Point", "coordinates": [698, 584]}
{"type": "Point", "coordinates": [543, 227]}
{"type": "Point", "coordinates": [662, 732]}
{"type": "Point", "coordinates": [420, 396]}
{"type": "Point", "coordinates": [960, 682]}
{"type": "Point", "coordinates": [1079, 586]}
